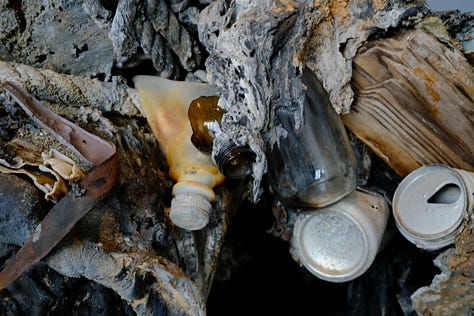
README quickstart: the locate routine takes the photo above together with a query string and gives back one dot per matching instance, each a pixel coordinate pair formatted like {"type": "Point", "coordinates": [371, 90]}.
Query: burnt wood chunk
{"type": "Point", "coordinates": [414, 102]}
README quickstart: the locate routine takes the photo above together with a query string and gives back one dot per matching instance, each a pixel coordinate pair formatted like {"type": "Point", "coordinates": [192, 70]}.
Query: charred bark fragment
{"type": "Point", "coordinates": [415, 102]}
{"type": "Point", "coordinates": [49, 36]}
{"type": "Point", "coordinates": [72, 91]}
{"type": "Point", "coordinates": [106, 35]}
{"type": "Point", "coordinates": [20, 209]}
{"type": "Point", "coordinates": [149, 28]}
{"type": "Point", "coordinates": [460, 26]}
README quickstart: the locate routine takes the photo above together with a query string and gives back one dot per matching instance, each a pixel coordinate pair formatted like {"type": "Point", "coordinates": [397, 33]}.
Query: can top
{"type": "Point", "coordinates": [330, 245]}
{"type": "Point", "coordinates": [429, 205]}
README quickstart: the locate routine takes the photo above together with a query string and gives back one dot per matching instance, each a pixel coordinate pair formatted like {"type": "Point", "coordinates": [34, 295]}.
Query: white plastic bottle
{"type": "Point", "coordinates": [165, 104]}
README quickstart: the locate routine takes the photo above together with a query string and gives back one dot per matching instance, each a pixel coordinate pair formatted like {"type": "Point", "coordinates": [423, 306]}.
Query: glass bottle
{"type": "Point", "coordinates": [205, 117]}
{"type": "Point", "coordinates": [313, 165]}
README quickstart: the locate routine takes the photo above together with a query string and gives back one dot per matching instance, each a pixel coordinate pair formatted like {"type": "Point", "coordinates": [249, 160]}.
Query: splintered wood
{"type": "Point", "coordinates": [414, 102]}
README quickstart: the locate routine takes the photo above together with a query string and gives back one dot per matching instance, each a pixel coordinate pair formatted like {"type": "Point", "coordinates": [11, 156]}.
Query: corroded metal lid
{"type": "Point", "coordinates": [429, 206]}
{"type": "Point", "coordinates": [330, 245]}
{"type": "Point", "coordinates": [338, 243]}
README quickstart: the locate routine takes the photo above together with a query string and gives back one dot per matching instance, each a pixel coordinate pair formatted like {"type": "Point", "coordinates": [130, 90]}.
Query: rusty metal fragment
{"type": "Point", "coordinates": [85, 144]}
{"type": "Point", "coordinates": [62, 218]}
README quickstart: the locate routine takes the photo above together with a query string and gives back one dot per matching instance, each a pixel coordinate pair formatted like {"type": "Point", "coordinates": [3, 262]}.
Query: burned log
{"type": "Point", "coordinates": [415, 102]}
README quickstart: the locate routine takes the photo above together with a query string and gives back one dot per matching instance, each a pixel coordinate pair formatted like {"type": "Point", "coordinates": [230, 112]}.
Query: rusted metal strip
{"type": "Point", "coordinates": [87, 145]}
{"type": "Point", "coordinates": [61, 219]}
{"type": "Point", "coordinates": [74, 205]}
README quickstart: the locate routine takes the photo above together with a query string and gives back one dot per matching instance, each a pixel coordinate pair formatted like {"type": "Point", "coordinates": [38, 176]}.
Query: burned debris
{"type": "Point", "coordinates": [348, 122]}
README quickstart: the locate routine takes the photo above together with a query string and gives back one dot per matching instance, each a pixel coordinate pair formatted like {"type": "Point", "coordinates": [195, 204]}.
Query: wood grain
{"type": "Point", "coordinates": [414, 102]}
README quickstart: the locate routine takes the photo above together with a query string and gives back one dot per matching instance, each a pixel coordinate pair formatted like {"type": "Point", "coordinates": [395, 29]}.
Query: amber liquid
{"type": "Point", "coordinates": [202, 112]}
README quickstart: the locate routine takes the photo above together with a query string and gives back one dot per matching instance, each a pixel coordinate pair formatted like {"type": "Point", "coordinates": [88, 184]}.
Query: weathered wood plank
{"type": "Point", "coordinates": [414, 102]}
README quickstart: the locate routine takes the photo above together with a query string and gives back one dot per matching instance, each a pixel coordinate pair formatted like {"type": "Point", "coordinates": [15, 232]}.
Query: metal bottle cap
{"type": "Point", "coordinates": [339, 243]}
{"type": "Point", "coordinates": [330, 245]}
{"type": "Point", "coordinates": [429, 206]}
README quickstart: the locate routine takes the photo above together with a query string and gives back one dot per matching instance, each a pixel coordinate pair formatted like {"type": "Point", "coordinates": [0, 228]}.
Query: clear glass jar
{"type": "Point", "coordinates": [314, 165]}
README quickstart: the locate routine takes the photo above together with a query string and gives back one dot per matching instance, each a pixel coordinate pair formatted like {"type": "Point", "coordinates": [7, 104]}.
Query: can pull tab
{"type": "Point", "coordinates": [447, 194]}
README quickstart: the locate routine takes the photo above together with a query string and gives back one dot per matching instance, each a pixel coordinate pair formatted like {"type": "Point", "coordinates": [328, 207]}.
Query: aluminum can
{"type": "Point", "coordinates": [338, 243]}
{"type": "Point", "coordinates": [430, 204]}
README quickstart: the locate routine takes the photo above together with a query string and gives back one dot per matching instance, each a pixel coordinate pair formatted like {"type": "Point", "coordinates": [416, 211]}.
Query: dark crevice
{"type": "Point", "coordinates": [16, 5]}
{"type": "Point", "coordinates": [78, 50]}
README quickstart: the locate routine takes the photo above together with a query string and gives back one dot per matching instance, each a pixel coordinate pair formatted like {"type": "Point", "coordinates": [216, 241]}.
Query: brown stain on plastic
{"type": "Point", "coordinates": [168, 118]}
